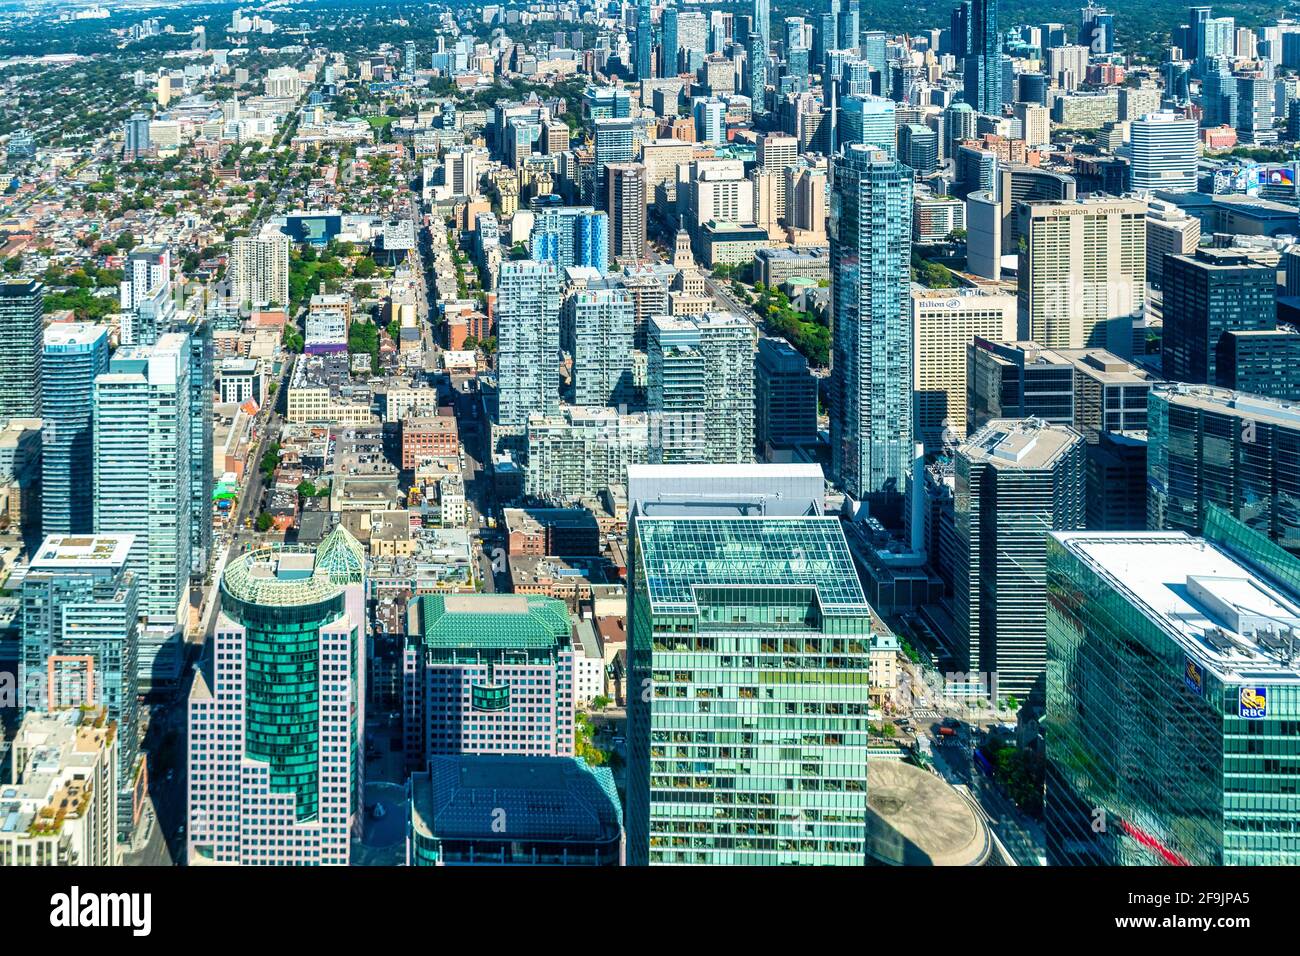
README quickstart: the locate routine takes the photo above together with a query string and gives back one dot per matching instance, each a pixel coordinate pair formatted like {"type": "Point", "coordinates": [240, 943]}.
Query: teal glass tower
{"type": "Point", "coordinates": [75, 353]}
{"type": "Point", "coordinates": [276, 713]}
{"type": "Point", "coordinates": [1173, 692]}
{"type": "Point", "coordinates": [871, 340]}
{"type": "Point", "coordinates": [747, 693]}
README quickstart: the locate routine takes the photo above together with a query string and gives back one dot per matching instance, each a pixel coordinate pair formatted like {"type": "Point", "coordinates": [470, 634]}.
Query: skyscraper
{"type": "Point", "coordinates": [528, 341]}
{"type": "Point", "coordinates": [668, 50]}
{"type": "Point", "coordinates": [598, 334]}
{"type": "Point", "coordinates": [75, 354]}
{"type": "Point", "coordinates": [701, 388]}
{"type": "Point", "coordinates": [1097, 29]}
{"type": "Point", "coordinates": [22, 348]}
{"type": "Point", "coordinates": [1016, 481]}
{"type": "Point", "coordinates": [1211, 446]}
{"type": "Point", "coordinates": [1082, 275]}
{"type": "Point", "coordinates": [644, 41]}
{"type": "Point", "coordinates": [982, 84]}
{"type": "Point", "coordinates": [1206, 295]}
{"type": "Point", "coordinates": [1171, 699]}
{"type": "Point", "coordinates": [570, 236]}
{"type": "Point", "coordinates": [711, 698]}
{"type": "Point", "coordinates": [868, 121]}
{"type": "Point", "coordinates": [626, 188]}
{"type": "Point", "coordinates": [142, 470]}
{"type": "Point", "coordinates": [80, 641]}
{"type": "Point", "coordinates": [197, 328]}
{"type": "Point", "coordinates": [785, 392]}
{"type": "Point", "coordinates": [760, 47]}
{"type": "Point", "coordinates": [1164, 150]}
{"type": "Point", "coordinates": [276, 762]}
{"type": "Point", "coordinates": [871, 347]}
{"type": "Point", "coordinates": [136, 133]}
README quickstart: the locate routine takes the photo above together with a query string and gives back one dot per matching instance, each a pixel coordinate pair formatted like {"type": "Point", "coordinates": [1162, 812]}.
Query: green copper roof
{"type": "Point", "coordinates": [494, 621]}
{"type": "Point", "coordinates": [680, 554]}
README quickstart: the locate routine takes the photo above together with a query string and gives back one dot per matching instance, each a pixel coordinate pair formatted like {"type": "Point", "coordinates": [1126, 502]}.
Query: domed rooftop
{"type": "Point", "coordinates": [287, 575]}
{"type": "Point", "coordinates": [914, 818]}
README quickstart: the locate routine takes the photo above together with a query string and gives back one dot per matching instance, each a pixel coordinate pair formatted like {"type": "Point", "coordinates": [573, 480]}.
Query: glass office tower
{"type": "Point", "coordinates": [747, 688]}
{"type": "Point", "coordinates": [1173, 694]}
{"type": "Point", "coordinates": [276, 713]}
{"type": "Point", "coordinates": [1215, 446]}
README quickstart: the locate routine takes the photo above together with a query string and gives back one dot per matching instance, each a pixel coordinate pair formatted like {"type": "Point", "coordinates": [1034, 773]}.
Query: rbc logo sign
{"type": "Point", "coordinates": [1252, 703]}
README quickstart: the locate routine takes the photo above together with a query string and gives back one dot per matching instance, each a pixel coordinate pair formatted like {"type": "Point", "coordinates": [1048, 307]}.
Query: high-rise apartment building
{"type": "Point", "coordinates": [259, 269]}
{"type": "Point", "coordinates": [597, 330]}
{"type": "Point", "coordinates": [570, 236]}
{"type": "Point", "coordinates": [644, 41]}
{"type": "Point", "coordinates": [1082, 273]}
{"type": "Point", "coordinates": [583, 451]}
{"type": "Point", "coordinates": [701, 388]}
{"type": "Point", "coordinates": [22, 348]}
{"type": "Point", "coordinates": [79, 644]}
{"type": "Point", "coordinates": [869, 121]}
{"type": "Point", "coordinates": [982, 84]}
{"type": "Point", "coordinates": [760, 47]}
{"type": "Point", "coordinates": [277, 712]}
{"type": "Point", "coordinates": [1016, 481]}
{"type": "Point", "coordinates": [528, 340]}
{"type": "Point", "coordinates": [142, 472]}
{"type": "Point", "coordinates": [75, 354]}
{"type": "Point", "coordinates": [136, 133]}
{"type": "Point", "coordinates": [1171, 697]}
{"type": "Point", "coordinates": [871, 347]}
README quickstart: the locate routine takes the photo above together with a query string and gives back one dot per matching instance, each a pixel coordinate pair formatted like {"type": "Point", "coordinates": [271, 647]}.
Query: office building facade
{"type": "Point", "coordinates": [1172, 688]}
{"type": "Point", "coordinates": [1015, 481]}
{"type": "Point", "coordinates": [738, 753]}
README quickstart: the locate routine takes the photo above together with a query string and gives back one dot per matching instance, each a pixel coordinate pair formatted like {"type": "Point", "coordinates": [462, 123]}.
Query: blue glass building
{"type": "Point", "coordinates": [871, 377]}
{"type": "Point", "coordinates": [75, 353]}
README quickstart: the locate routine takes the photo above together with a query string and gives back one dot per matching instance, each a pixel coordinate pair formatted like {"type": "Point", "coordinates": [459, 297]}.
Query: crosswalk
{"type": "Point", "coordinates": [926, 715]}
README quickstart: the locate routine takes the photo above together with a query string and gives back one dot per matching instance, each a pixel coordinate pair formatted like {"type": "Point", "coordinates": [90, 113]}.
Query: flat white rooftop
{"type": "Point", "coordinates": [1227, 617]}
{"type": "Point", "coordinates": [59, 552]}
